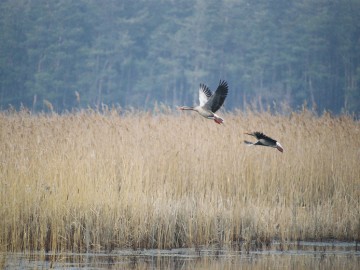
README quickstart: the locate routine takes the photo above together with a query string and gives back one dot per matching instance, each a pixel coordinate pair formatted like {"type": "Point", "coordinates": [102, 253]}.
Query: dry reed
{"type": "Point", "coordinates": [90, 180]}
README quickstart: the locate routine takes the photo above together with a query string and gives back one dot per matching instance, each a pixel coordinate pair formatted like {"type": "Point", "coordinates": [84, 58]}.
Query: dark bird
{"type": "Point", "coordinates": [209, 102]}
{"type": "Point", "coordinates": [264, 141]}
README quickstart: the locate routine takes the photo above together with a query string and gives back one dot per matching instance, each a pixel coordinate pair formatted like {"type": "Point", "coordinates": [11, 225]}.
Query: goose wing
{"type": "Point", "coordinates": [266, 140]}
{"type": "Point", "coordinates": [204, 94]}
{"type": "Point", "coordinates": [217, 99]}
{"type": "Point", "coordinates": [248, 143]}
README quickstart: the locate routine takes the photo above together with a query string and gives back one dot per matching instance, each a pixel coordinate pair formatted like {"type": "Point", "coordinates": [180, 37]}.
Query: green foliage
{"type": "Point", "coordinates": [137, 53]}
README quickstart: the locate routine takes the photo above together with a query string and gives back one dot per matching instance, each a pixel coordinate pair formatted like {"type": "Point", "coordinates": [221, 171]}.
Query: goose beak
{"type": "Point", "coordinates": [279, 147]}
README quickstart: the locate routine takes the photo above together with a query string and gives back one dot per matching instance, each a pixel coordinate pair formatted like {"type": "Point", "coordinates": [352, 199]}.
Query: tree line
{"type": "Point", "coordinates": [76, 54]}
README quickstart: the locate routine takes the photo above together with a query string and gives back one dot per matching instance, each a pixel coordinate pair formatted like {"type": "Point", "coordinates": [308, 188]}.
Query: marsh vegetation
{"type": "Point", "coordinates": [98, 181]}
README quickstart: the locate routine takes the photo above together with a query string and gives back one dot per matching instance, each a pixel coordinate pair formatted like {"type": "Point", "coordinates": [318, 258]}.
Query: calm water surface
{"type": "Point", "coordinates": [301, 255]}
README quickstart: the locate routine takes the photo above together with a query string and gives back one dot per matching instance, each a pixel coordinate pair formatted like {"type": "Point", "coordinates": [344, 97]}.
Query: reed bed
{"type": "Point", "coordinates": [98, 181]}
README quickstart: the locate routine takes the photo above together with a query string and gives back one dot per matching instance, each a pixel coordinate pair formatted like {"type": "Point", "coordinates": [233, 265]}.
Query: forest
{"type": "Point", "coordinates": [278, 55]}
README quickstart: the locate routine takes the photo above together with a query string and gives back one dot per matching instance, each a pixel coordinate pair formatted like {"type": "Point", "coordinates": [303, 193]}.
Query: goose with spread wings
{"type": "Point", "coordinates": [264, 141]}
{"type": "Point", "coordinates": [210, 102]}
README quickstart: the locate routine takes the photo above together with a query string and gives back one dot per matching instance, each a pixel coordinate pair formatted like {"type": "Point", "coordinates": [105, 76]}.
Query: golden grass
{"type": "Point", "coordinates": [101, 181]}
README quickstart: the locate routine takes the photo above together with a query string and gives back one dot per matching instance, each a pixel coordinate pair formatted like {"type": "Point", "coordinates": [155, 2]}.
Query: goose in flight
{"type": "Point", "coordinates": [209, 102]}
{"type": "Point", "coordinates": [264, 141]}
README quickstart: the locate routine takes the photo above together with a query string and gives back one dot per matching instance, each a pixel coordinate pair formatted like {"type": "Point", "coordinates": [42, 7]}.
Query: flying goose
{"type": "Point", "coordinates": [210, 103]}
{"type": "Point", "coordinates": [264, 141]}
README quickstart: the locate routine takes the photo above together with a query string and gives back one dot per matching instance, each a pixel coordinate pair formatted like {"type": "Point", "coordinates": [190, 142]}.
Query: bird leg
{"type": "Point", "coordinates": [218, 120]}
{"type": "Point", "coordinates": [279, 147]}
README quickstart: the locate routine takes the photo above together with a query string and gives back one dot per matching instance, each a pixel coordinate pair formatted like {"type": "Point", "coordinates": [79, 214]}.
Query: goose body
{"type": "Point", "coordinates": [264, 141]}
{"type": "Point", "coordinates": [210, 102]}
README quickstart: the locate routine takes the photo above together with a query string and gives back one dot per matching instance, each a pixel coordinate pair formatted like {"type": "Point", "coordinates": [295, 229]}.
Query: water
{"type": "Point", "coordinates": [300, 255]}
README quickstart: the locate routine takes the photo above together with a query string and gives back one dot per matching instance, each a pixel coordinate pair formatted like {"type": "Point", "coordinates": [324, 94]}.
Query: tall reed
{"type": "Point", "coordinates": [91, 180]}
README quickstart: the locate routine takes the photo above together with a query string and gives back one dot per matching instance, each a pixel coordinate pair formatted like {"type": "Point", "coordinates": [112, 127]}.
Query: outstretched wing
{"type": "Point", "coordinates": [204, 94]}
{"type": "Point", "coordinates": [266, 140]}
{"type": "Point", "coordinates": [248, 143]}
{"type": "Point", "coordinates": [217, 99]}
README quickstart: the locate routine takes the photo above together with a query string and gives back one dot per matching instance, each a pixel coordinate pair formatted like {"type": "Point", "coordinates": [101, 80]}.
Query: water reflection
{"type": "Point", "coordinates": [300, 255]}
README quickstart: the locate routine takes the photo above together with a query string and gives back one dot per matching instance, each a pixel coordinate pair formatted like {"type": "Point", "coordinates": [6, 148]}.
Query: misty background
{"type": "Point", "coordinates": [273, 54]}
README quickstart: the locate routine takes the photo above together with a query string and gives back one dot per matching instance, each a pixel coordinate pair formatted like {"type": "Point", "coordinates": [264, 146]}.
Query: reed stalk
{"type": "Point", "coordinates": [98, 181]}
